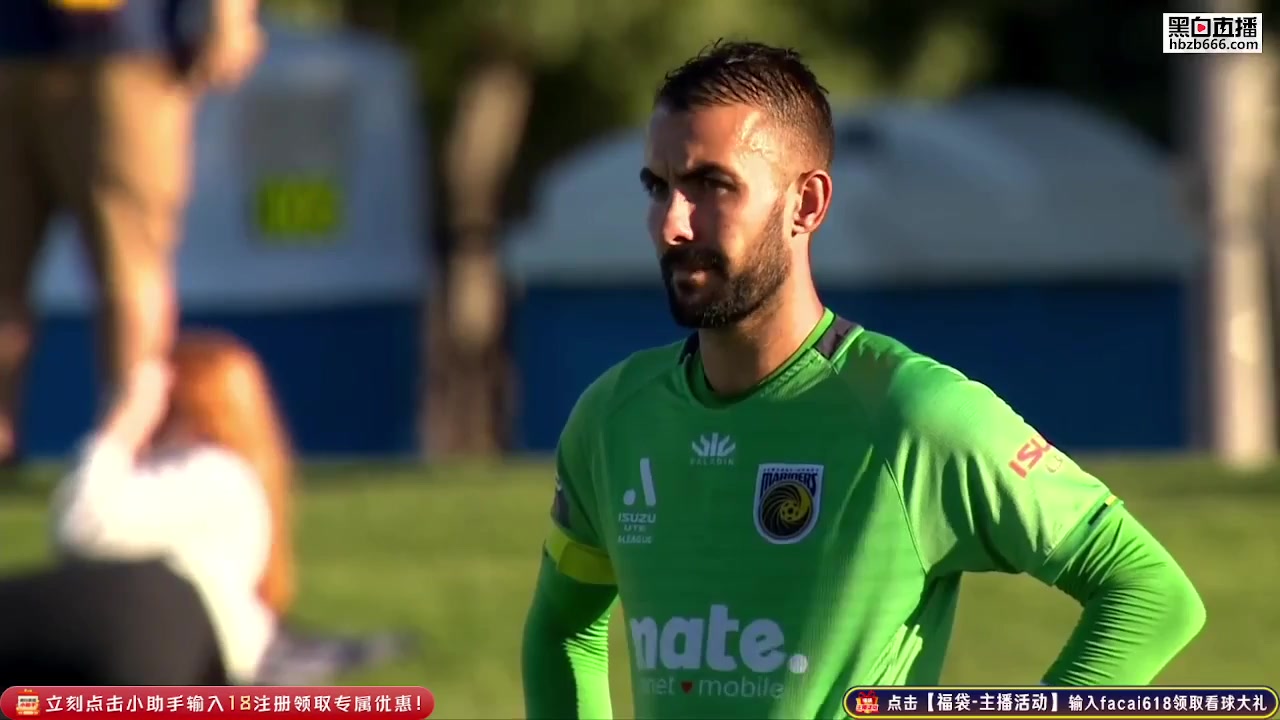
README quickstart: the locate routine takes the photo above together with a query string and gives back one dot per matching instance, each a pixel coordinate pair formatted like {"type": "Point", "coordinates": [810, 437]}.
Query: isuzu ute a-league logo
{"type": "Point", "coordinates": [1212, 33]}
{"type": "Point", "coordinates": [636, 520]}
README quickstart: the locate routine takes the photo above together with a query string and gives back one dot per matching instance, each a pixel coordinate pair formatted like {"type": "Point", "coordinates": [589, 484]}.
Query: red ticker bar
{"type": "Point", "coordinates": [1030, 703]}
{"type": "Point", "coordinates": [223, 703]}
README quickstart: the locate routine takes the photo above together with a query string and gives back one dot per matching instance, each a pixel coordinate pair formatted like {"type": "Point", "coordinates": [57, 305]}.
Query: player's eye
{"type": "Point", "coordinates": [716, 185]}
{"type": "Point", "coordinates": [708, 185]}
{"type": "Point", "coordinates": [654, 186]}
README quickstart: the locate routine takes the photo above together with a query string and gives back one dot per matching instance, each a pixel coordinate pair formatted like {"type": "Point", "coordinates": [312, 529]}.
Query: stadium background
{"type": "Point", "coordinates": [1010, 200]}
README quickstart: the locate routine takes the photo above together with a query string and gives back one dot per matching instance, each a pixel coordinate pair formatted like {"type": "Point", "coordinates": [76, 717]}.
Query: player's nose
{"type": "Point", "coordinates": [674, 220]}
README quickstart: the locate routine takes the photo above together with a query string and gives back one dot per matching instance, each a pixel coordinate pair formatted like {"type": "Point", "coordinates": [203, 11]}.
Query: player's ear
{"type": "Point", "coordinates": [814, 188]}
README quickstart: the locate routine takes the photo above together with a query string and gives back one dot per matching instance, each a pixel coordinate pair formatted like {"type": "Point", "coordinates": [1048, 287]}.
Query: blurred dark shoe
{"type": "Point", "coordinates": [310, 658]}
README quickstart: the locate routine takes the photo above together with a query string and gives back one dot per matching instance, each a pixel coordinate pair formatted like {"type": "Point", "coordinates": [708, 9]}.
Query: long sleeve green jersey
{"type": "Point", "coordinates": [772, 550]}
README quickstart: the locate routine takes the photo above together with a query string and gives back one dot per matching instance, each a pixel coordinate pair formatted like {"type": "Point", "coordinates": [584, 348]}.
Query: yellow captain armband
{"type": "Point", "coordinates": [577, 561]}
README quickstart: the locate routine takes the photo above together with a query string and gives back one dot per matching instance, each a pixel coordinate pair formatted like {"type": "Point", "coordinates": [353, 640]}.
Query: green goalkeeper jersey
{"type": "Point", "coordinates": [772, 550]}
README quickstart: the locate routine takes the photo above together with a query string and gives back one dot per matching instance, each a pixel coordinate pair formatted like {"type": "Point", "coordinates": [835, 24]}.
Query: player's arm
{"type": "Point", "coordinates": [987, 493]}
{"type": "Point", "coordinates": [566, 635]}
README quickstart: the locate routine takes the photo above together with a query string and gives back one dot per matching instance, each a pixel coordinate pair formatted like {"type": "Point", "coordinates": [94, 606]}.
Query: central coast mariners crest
{"type": "Point", "coordinates": [788, 498]}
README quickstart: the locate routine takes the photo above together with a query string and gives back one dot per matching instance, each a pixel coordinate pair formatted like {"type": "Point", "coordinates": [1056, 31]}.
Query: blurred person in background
{"type": "Point", "coordinates": [173, 531]}
{"type": "Point", "coordinates": [175, 539]}
{"type": "Point", "coordinates": [97, 100]}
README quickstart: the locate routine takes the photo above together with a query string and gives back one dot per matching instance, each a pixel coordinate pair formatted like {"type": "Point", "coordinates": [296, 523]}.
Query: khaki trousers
{"type": "Point", "coordinates": [108, 141]}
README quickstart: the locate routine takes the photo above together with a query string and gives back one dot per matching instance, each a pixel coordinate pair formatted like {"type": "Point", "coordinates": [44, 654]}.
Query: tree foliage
{"type": "Point", "coordinates": [596, 63]}
{"type": "Point", "coordinates": [578, 69]}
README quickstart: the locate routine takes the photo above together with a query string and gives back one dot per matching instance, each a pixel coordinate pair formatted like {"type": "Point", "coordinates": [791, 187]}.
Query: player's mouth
{"type": "Point", "coordinates": [691, 276]}
{"type": "Point", "coordinates": [694, 282]}
{"type": "Point", "coordinates": [692, 264]}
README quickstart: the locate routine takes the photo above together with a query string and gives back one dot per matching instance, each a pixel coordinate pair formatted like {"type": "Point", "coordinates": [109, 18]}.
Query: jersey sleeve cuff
{"type": "Point", "coordinates": [578, 561]}
{"type": "Point", "coordinates": [1066, 550]}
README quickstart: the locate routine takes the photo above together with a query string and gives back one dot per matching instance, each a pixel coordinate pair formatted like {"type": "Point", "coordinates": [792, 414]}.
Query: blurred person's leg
{"type": "Point", "coordinates": [123, 158]}
{"type": "Point", "coordinates": [25, 209]}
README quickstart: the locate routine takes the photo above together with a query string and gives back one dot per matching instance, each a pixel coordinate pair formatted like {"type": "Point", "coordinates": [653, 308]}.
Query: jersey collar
{"type": "Point", "coordinates": [823, 334]}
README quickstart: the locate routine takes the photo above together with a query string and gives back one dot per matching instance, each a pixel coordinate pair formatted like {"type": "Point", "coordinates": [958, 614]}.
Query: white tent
{"type": "Point", "coordinates": [996, 187]}
{"type": "Point", "coordinates": [328, 128]}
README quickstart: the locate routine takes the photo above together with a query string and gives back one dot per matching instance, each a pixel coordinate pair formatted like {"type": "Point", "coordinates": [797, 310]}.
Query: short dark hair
{"type": "Point", "coordinates": [771, 78]}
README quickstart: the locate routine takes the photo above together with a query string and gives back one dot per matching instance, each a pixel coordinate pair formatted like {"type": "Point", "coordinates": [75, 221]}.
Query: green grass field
{"type": "Point", "coordinates": [452, 552]}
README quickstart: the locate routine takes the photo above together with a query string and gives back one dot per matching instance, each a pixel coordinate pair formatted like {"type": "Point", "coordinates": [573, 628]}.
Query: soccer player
{"type": "Point", "coordinates": [786, 502]}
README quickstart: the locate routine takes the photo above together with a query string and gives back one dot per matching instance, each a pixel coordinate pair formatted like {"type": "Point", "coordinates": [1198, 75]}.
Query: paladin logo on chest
{"type": "Point", "coordinates": [788, 498]}
{"type": "Point", "coordinates": [713, 450]}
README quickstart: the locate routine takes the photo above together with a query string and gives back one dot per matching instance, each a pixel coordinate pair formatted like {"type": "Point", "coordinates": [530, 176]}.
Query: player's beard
{"type": "Point", "coordinates": [744, 287]}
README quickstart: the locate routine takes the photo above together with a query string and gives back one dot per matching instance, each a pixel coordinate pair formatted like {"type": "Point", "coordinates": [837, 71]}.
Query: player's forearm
{"type": "Point", "coordinates": [566, 649]}
{"type": "Point", "coordinates": [231, 15]}
{"type": "Point", "coordinates": [1140, 609]}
